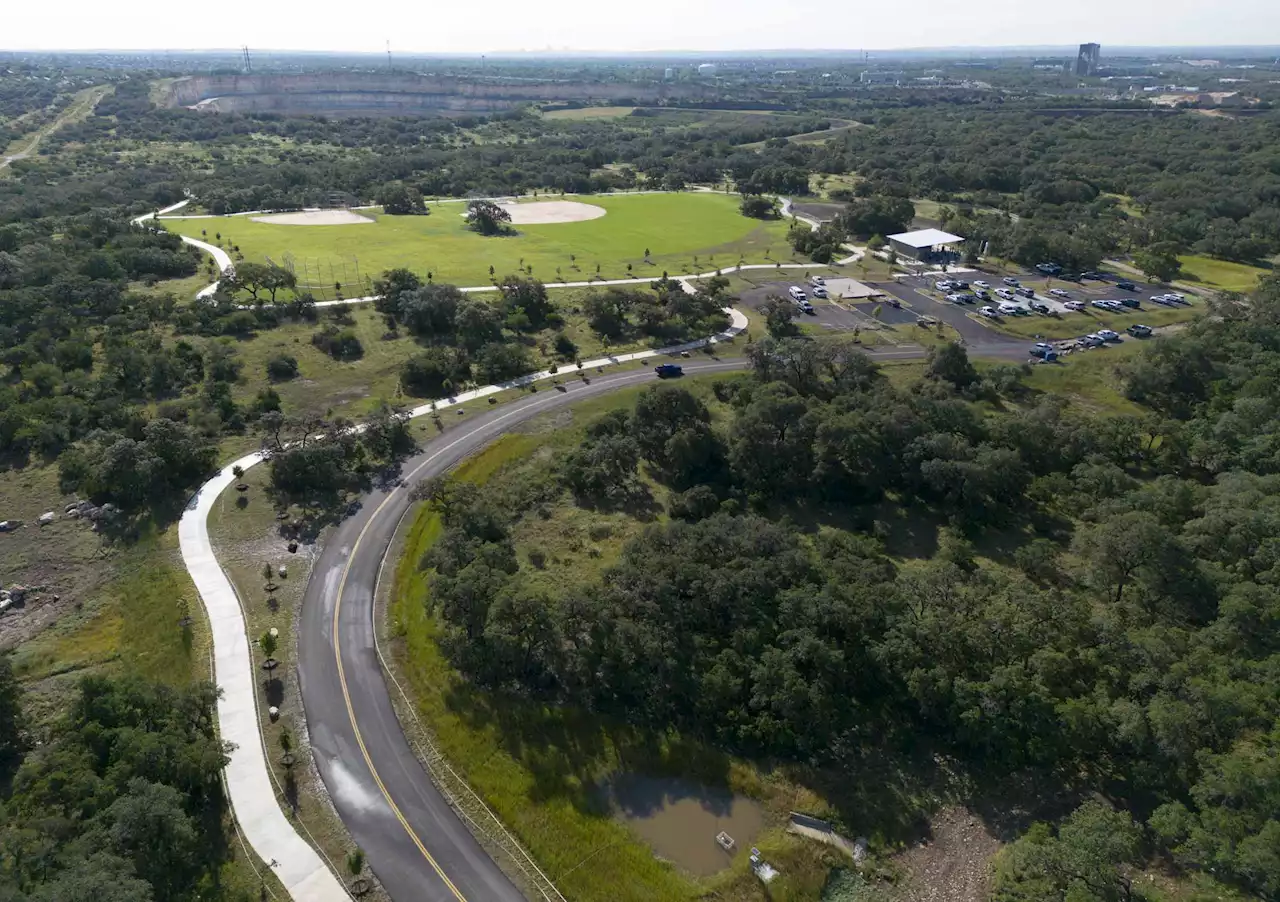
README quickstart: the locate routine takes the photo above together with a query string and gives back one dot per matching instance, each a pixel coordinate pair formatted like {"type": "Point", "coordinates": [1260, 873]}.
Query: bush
{"type": "Point", "coordinates": [565, 348]}
{"type": "Point", "coordinates": [340, 344]}
{"type": "Point", "coordinates": [282, 368]}
{"type": "Point", "coordinates": [698, 503]}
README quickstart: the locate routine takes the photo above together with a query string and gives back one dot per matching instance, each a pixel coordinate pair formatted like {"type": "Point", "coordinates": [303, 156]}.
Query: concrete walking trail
{"type": "Point", "coordinates": [261, 820]}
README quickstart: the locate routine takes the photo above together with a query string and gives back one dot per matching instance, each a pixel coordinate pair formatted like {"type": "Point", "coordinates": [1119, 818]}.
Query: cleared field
{"type": "Point", "coordinates": [591, 112]}
{"type": "Point", "coordinates": [1220, 274]}
{"type": "Point", "coordinates": [684, 233]}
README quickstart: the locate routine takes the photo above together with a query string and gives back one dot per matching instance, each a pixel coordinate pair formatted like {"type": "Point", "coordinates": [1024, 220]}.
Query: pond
{"type": "Point", "coordinates": [680, 819]}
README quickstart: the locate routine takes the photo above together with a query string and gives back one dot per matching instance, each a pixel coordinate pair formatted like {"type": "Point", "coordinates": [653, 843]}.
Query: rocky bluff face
{"type": "Point", "coordinates": [370, 93]}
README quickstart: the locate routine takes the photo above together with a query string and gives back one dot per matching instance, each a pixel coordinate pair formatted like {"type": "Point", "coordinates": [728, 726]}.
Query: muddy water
{"type": "Point", "coordinates": [680, 819]}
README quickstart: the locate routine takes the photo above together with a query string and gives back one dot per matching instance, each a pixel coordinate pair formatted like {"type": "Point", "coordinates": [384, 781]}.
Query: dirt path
{"type": "Point", "coordinates": [953, 866]}
{"type": "Point", "coordinates": [80, 108]}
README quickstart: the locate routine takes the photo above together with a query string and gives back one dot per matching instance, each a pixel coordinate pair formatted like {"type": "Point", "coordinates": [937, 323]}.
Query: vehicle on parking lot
{"type": "Point", "coordinates": [1069, 276]}
{"type": "Point", "coordinates": [927, 321]}
{"type": "Point", "coordinates": [1132, 303]}
{"type": "Point", "coordinates": [1038, 307]}
{"type": "Point", "coordinates": [1044, 351]}
{"type": "Point", "coordinates": [797, 293]}
{"type": "Point", "coordinates": [1025, 292]}
{"type": "Point", "coordinates": [1108, 304]}
{"type": "Point", "coordinates": [1008, 309]}
{"type": "Point", "coordinates": [1126, 285]}
{"type": "Point", "coordinates": [978, 283]}
{"type": "Point", "coordinates": [1090, 274]}
{"type": "Point", "coordinates": [1049, 269]}
{"type": "Point", "coordinates": [668, 370]}
{"type": "Point", "coordinates": [1108, 335]}
{"type": "Point", "coordinates": [817, 280]}
{"type": "Point", "coordinates": [1075, 306]}
{"type": "Point", "coordinates": [1010, 280]}
{"type": "Point", "coordinates": [819, 291]}
{"type": "Point", "coordinates": [988, 312]}
{"type": "Point", "coordinates": [1092, 340]}
{"type": "Point", "coordinates": [1059, 293]}
{"type": "Point", "coordinates": [982, 294]}
{"type": "Point", "coordinates": [1004, 293]}
{"type": "Point", "coordinates": [955, 298]}
{"type": "Point", "coordinates": [943, 285]}
{"type": "Point", "coordinates": [961, 284]}
{"type": "Point", "coordinates": [1137, 330]}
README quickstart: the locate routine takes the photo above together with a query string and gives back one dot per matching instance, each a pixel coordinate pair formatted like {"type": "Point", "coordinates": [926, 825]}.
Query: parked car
{"type": "Point", "coordinates": [961, 284]}
{"type": "Point", "coordinates": [1090, 274]}
{"type": "Point", "coordinates": [978, 283]}
{"type": "Point", "coordinates": [819, 291]}
{"type": "Point", "coordinates": [982, 294]}
{"type": "Point", "coordinates": [1059, 293]}
{"type": "Point", "coordinates": [1137, 330]}
{"type": "Point", "coordinates": [1103, 304]}
{"type": "Point", "coordinates": [1132, 303]}
{"type": "Point", "coordinates": [668, 370]}
{"type": "Point", "coordinates": [1044, 351]}
{"type": "Point", "coordinates": [1004, 293]}
{"type": "Point", "coordinates": [1092, 340]}
{"type": "Point", "coordinates": [1025, 292]}
{"type": "Point", "coordinates": [1038, 307]}
{"type": "Point", "coordinates": [988, 312]}
{"type": "Point", "coordinates": [1007, 309]}
{"type": "Point", "coordinates": [1108, 335]}
{"type": "Point", "coordinates": [955, 298]}
{"type": "Point", "coordinates": [1069, 276]}
{"type": "Point", "coordinates": [797, 293]}
{"type": "Point", "coordinates": [1126, 286]}
{"type": "Point", "coordinates": [1076, 306]}
{"type": "Point", "coordinates": [817, 280]}
{"type": "Point", "coordinates": [1049, 269]}
{"type": "Point", "coordinates": [943, 285]}
{"type": "Point", "coordinates": [1010, 280]}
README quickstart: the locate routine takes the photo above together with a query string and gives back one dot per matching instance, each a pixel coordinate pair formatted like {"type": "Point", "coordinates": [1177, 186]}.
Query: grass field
{"type": "Point", "coordinates": [1221, 274]}
{"type": "Point", "coordinates": [675, 228]}
{"type": "Point", "coordinates": [590, 112]}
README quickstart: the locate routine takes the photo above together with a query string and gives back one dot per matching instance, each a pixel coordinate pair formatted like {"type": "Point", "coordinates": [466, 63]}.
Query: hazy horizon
{"type": "Point", "coordinates": [670, 26]}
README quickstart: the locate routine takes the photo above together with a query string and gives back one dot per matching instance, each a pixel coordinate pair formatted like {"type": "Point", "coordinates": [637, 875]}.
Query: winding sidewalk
{"type": "Point", "coordinates": [262, 822]}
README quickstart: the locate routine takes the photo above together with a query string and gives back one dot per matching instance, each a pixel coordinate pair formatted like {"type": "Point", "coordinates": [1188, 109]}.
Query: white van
{"type": "Point", "coordinates": [797, 294]}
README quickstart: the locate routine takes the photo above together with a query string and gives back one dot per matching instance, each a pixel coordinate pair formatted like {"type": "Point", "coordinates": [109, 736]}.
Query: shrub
{"type": "Point", "coordinates": [340, 344]}
{"type": "Point", "coordinates": [282, 367]}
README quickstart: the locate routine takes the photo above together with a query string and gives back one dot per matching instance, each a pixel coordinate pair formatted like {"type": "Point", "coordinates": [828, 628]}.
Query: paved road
{"type": "Point", "coordinates": [415, 843]}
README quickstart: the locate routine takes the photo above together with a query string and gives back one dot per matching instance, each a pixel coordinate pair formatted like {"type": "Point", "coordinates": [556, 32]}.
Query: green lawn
{"type": "Point", "coordinates": [1220, 274]}
{"type": "Point", "coordinates": [590, 112]}
{"type": "Point", "coordinates": [675, 228]}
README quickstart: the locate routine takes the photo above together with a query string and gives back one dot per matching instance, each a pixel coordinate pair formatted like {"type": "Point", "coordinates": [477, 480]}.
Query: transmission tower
{"type": "Point", "coordinates": [388, 53]}
{"type": "Point", "coordinates": [248, 63]}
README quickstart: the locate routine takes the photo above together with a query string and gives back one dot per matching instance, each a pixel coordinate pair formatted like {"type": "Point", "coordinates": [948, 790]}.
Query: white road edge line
{"type": "Point", "coordinates": [305, 876]}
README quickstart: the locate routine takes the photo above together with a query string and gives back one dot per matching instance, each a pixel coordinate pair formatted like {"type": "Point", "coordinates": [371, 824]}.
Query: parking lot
{"type": "Point", "coordinates": [1054, 305]}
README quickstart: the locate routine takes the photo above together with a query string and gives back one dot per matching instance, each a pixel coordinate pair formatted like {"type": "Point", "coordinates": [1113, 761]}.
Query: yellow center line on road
{"type": "Point", "coordinates": [337, 653]}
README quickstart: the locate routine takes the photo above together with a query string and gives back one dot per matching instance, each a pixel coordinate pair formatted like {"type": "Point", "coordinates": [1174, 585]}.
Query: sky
{"type": "Point", "coordinates": [511, 25]}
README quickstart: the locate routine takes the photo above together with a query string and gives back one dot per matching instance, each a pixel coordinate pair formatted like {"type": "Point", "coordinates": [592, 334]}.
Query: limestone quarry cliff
{"type": "Point", "coordinates": [366, 94]}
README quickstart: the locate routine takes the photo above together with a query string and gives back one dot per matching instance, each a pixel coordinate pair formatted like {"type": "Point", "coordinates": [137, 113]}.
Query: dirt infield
{"type": "Point", "coordinates": [314, 217]}
{"type": "Point", "coordinates": [552, 211]}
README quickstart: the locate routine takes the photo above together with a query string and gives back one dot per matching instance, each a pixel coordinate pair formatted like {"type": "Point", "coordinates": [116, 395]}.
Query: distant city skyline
{"type": "Point", "coordinates": [509, 26]}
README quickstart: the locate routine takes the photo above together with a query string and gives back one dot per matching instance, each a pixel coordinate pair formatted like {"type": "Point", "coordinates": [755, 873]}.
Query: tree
{"type": "Point", "coordinates": [268, 643]}
{"type": "Point", "coordinates": [779, 316]}
{"type": "Point", "coordinates": [527, 300]}
{"type": "Point", "coordinates": [477, 323]}
{"type": "Point", "coordinates": [1084, 862]}
{"type": "Point", "coordinates": [950, 363]}
{"type": "Point", "coordinates": [488, 218]}
{"type": "Point", "coordinates": [398, 199]}
{"type": "Point", "coordinates": [435, 373]}
{"type": "Point", "coordinates": [607, 310]}
{"type": "Point", "coordinates": [498, 362]}
{"type": "Point", "coordinates": [877, 215]}
{"type": "Point", "coordinates": [1159, 261]}
{"type": "Point", "coordinates": [12, 720]}
{"type": "Point", "coordinates": [758, 207]}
